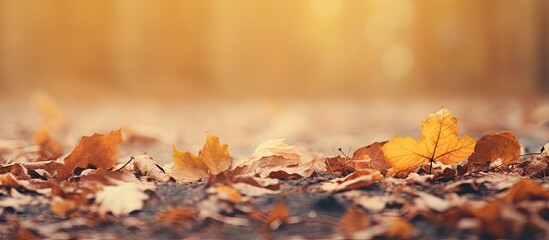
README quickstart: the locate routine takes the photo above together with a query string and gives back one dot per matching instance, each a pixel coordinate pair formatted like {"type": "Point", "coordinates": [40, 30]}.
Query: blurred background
{"type": "Point", "coordinates": [324, 73]}
{"type": "Point", "coordinates": [282, 48]}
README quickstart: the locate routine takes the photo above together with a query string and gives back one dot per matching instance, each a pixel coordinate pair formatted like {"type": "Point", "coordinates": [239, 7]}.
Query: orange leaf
{"type": "Point", "coordinates": [490, 147]}
{"type": "Point", "coordinates": [229, 193]}
{"type": "Point", "coordinates": [215, 155]}
{"type": "Point", "coordinates": [353, 221]}
{"type": "Point", "coordinates": [526, 189]}
{"type": "Point", "coordinates": [213, 159]}
{"type": "Point", "coordinates": [175, 215]}
{"type": "Point", "coordinates": [99, 150]}
{"type": "Point", "coordinates": [440, 142]}
{"type": "Point", "coordinates": [278, 214]}
{"type": "Point", "coordinates": [50, 149]}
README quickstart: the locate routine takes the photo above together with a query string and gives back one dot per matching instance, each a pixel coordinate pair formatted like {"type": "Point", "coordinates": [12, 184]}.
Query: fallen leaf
{"type": "Point", "coordinates": [373, 204]}
{"type": "Point", "coordinates": [226, 192]}
{"type": "Point", "coordinates": [400, 229]}
{"type": "Point", "coordinates": [50, 149]}
{"type": "Point", "coordinates": [212, 160]}
{"type": "Point", "coordinates": [275, 167]}
{"type": "Point", "coordinates": [175, 215]}
{"type": "Point", "coordinates": [99, 150]}
{"type": "Point", "coordinates": [144, 166]}
{"type": "Point", "coordinates": [502, 145]}
{"type": "Point", "coordinates": [279, 213]}
{"type": "Point", "coordinates": [272, 147]}
{"type": "Point", "coordinates": [123, 198]}
{"type": "Point", "coordinates": [9, 180]}
{"type": "Point", "coordinates": [375, 154]}
{"type": "Point", "coordinates": [63, 207]}
{"type": "Point", "coordinates": [426, 201]}
{"type": "Point", "coordinates": [354, 180]}
{"type": "Point", "coordinates": [339, 165]}
{"type": "Point", "coordinates": [499, 221]}
{"type": "Point", "coordinates": [526, 189]}
{"type": "Point", "coordinates": [440, 142]}
{"type": "Point", "coordinates": [353, 221]}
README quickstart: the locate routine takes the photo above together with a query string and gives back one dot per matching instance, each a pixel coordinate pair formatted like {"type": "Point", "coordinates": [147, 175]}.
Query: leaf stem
{"type": "Point", "coordinates": [125, 165]}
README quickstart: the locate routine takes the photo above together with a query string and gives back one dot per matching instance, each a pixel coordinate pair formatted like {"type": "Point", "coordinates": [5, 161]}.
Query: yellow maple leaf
{"type": "Point", "coordinates": [213, 159]}
{"type": "Point", "coordinates": [440, 142]}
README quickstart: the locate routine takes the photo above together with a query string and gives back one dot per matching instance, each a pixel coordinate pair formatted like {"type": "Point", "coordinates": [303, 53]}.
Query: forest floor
{"type": "Point", "coordinates": [486, 203]}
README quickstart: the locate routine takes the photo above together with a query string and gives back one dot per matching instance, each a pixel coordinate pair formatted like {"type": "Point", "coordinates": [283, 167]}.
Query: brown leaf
{"type": "Point", "coordinates": [8, 180]}
{"type": "Point", "coordinates": [375, 154]}
{"type": "Point", "coordinates": [503, 145]}
{"type": "Point", "coordinates": [526, 189]}
{"type": "Point", "coordinates": [212, 160]}
{"type": "Point", "coordinates": [353, 221]}
{"type": "Point", "coordinates": [275, 167]}
{"type": "Point", "coordinates": [354, 180]}
{"type": "Point", "coordinates": [339, 165]}
{"type": "Point", "coordinates": [99, 150]}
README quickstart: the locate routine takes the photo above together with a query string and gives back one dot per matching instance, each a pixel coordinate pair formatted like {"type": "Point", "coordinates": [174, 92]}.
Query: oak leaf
{"type": "Point", "coordinates": [213, 159]}
{"type": "Point", "coordinates": [99, 150]}
{"type": "Point", "coordinates": [502, 145]}
{"type": "Point", "coordinates": [440, 142]}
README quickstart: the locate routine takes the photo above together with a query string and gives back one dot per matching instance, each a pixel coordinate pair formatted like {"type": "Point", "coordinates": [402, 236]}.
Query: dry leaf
{"type": "Point", "coordinates": [175, 215]}
{"type": "Point", "coordinates": [275, 167]}
{"type": "Point", "coordinates": [212, 160]}
{"type": "Point", "coordinates": [279, 213]}
{"type": "Point", "coordinates": [99, 150]}
{"type": "Point", "coordinates": [375, 154]}
{"type": "Point", "coordinates": [502, 145]}
{"type": "Point", "coordinates": [123, 198]}
{"type": "Point", "coordinates": [526, 189]}
{"type": "Point", "coordinates": [62, 207]}
{"type": "Point", "coordinates": [228, 193]}
{"type": "Point", "coordinates": [272, 147]}
{"type": "Point", "coordinates": [400, 229]}
{"type": "Point", "coordinates": [354, 180]}
{"type": "Point", "coordinates": [50, 149]}
{"type": "Point", "coordinates": [440, 142]}
{"type": "Point", "coordinates": [353, 221]}
{"type": "Point", "coordinates": [144, 165]}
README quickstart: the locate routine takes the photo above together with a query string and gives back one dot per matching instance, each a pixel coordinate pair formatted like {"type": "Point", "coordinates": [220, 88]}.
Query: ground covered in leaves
{"type": "Point", "coordinates": [442, 185]}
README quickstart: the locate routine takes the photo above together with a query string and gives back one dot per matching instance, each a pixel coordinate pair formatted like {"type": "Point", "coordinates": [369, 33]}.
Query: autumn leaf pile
{"type": "Point", "coordinates": [460, 186]}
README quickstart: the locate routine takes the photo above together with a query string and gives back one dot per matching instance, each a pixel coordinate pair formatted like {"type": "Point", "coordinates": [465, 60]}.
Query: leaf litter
{"type": "Point", "coordinates": [457, 186]}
